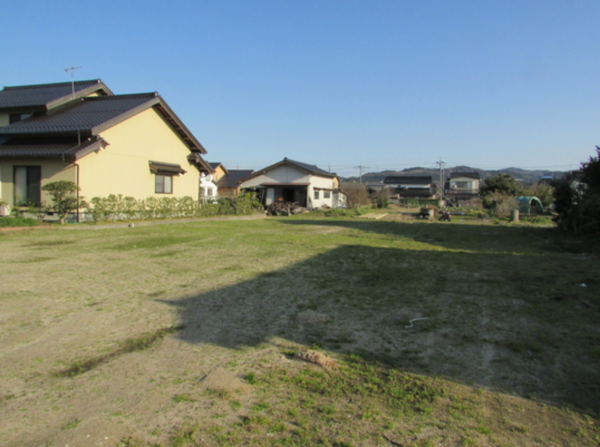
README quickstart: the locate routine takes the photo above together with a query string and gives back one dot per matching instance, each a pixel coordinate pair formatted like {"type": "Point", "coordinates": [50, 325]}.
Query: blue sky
{"type": "Point", "coordinates": [382, 84]}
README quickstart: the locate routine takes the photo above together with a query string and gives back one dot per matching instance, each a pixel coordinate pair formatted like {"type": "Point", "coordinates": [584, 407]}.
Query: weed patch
{"type": "Point", "coordinates": [71, 424]}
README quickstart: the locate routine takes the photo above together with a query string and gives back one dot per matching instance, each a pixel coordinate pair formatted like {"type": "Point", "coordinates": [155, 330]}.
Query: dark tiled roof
{"type": "Point", "coordinates": [414, 192]}
{"type": "Point", "coordinates": [80, 119]}
{"type": "Point", "coordinates": [63, 149]}
{"type": "Point", "coordinates": [83, 115]}
{"type": "Point", "coordinates": [474, 175]}
{"type": "Point", "coordinates": [309, 168]}
{"type": "Point", "coordinates": [424, 180]}
{"type": "Point", "coordinates": [230, 180]}
{"type": "Point", "coordinates": [46, 96]}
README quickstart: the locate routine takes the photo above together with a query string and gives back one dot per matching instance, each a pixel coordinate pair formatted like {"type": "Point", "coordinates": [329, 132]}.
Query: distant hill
{"type": "Point", "coordinates": [523, 176]}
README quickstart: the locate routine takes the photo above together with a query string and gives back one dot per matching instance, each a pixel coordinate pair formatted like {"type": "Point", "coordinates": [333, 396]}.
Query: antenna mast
{"type": "Point", "coordinates": [71, 71]}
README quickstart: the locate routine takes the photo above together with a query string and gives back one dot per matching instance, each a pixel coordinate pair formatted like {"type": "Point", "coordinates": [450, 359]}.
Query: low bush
{"type": "Point", "coordinates": [18, 221]}
{"type": "Point", "coordinates": [116, 207]}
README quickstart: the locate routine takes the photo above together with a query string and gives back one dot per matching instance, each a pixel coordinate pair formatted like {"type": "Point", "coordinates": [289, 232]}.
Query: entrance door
{"type": "Point", "coordinates": [288, 194]}
{"type": "Point", "coordinates": [270, 196]}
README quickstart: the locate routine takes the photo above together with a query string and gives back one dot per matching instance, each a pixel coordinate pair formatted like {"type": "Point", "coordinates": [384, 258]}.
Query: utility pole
{"type": "Point", "coordinates": [441, 182]}
{"type": "Point", "coordinates": [360, 170]}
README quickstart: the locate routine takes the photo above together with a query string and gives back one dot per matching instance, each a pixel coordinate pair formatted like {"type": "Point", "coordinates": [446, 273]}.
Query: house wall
{"type": "Point", "coordinates": [122, 167]}
{"type": "Point", "coordinates": [52, 170]}
{"type": "Point", "coordinates": [290, 174]}
{"type": "Point", "coordinates": [474, 183]}
{"type": "Point", "coordinates": [219, 172]}
{"type": "Point", "coordinates": [208, 189]}
{"type": "Point", "coordinates": [280, 174]}
{"type": "Point", "coordinates": [223, 192]}
{"type": "Point", "coordinates": [322, 185]}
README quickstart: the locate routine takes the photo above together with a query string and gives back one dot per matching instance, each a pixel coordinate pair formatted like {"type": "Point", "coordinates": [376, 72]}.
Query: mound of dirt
{"type": "Point", "coordinates": [317, 358]}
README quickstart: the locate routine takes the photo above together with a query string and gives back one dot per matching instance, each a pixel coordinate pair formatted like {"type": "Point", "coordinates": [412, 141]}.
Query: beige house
{"type": "Point", "coordinates": [82, 132]}
{"type": "Point", "coordinates": [463, 185]}
{"type": "Point", "coordinates": [293, 181]}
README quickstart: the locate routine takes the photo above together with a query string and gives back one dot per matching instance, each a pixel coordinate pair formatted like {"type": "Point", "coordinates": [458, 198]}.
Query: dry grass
{"type": "Point", "coordinates": [508, 354]}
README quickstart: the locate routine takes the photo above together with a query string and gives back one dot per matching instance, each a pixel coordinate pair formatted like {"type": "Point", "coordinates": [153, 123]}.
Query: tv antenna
{"type": "Point", "coordinates": [71, 71]}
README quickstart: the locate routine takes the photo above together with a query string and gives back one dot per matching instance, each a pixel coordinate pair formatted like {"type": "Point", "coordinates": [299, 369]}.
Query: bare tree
{"type": "Point", "coordinates": [356, 194]}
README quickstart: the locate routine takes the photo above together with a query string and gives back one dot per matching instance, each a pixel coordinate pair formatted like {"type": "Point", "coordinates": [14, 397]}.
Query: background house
{"type": "Point", "coordinates": [463, 186]}
{"type": "Point", "coordinates": [410, 186]}
{"type": "Point", "coordinates": [82, 132]}
{"type": "Point", "coordinates": [294, 181]}
{"type": "Point", "coordinates": [228, 180]}
{"type": "Point", "coordinates": [208, 185]}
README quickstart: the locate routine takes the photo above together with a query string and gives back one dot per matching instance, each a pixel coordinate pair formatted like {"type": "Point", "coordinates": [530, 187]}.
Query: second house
{"type": "Point", "coordinates": [294, 181]}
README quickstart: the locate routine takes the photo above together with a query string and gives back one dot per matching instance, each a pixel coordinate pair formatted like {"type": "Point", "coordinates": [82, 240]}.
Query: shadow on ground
{"type": "Point", "coordinates": [514, 322]}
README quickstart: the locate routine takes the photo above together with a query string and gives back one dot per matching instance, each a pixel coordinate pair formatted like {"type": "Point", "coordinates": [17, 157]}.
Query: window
{"type": "Point", "coordinates": [464, 185]}
{"type": "Point", "coordinates": [163, 184]}
{"type": "Point", "coordinates": [327, 195]}
{"type": "Point", "coordinates": [316, 195]}
{"type": "Point", "coordinates": [209, 192]}
{"type": "Point", "coordinates": [27, 184]}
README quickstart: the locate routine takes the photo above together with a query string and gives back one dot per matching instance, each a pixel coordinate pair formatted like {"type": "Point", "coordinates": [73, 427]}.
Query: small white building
{"type": "Point", "coordinates": [293, 181]}
{"type": "Point", "coordinates": [208, 188]}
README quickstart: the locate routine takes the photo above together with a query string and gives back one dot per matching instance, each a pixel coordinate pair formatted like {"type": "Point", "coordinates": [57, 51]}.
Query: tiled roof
{"type": "Point", "coordinates": [79, 119]}
{"type": "Point", "coordinates": [50, 149]}
{"type": "Point", "coordinates": [47, 95]}
{"type": "Point", "coordinates": [84, 115]}
{"type": "Point", "coordinates": [423, 180]}
{"type": "Point", "coordinates": [474, 175]}
{"type": "Point", "coordinates": [309, 168]}
{"type": "Point", "coordinates": [230, 180]}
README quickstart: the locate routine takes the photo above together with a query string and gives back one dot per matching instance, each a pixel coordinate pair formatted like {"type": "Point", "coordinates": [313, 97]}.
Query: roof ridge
{"type": "Point", "coordinates": [57, 84]}
{"type": "Point", "coordinates": [122, 96]}
{"type": "Point", "coordinates": [300, 162]}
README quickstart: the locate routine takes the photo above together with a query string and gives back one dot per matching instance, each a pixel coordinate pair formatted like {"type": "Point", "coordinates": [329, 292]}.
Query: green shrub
{"type": "Point", "coordinates": [64, 201]}
{"type": "Point", "coordinates": [18, 221]}
{"type": "Point", "coordinates": [117, 207]}
{"type": "Point", "coordinates": [245, 204]}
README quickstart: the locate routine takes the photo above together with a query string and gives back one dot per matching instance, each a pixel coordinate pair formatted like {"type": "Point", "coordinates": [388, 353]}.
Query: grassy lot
{"type": "Point", "coordinates": [462, 333]}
